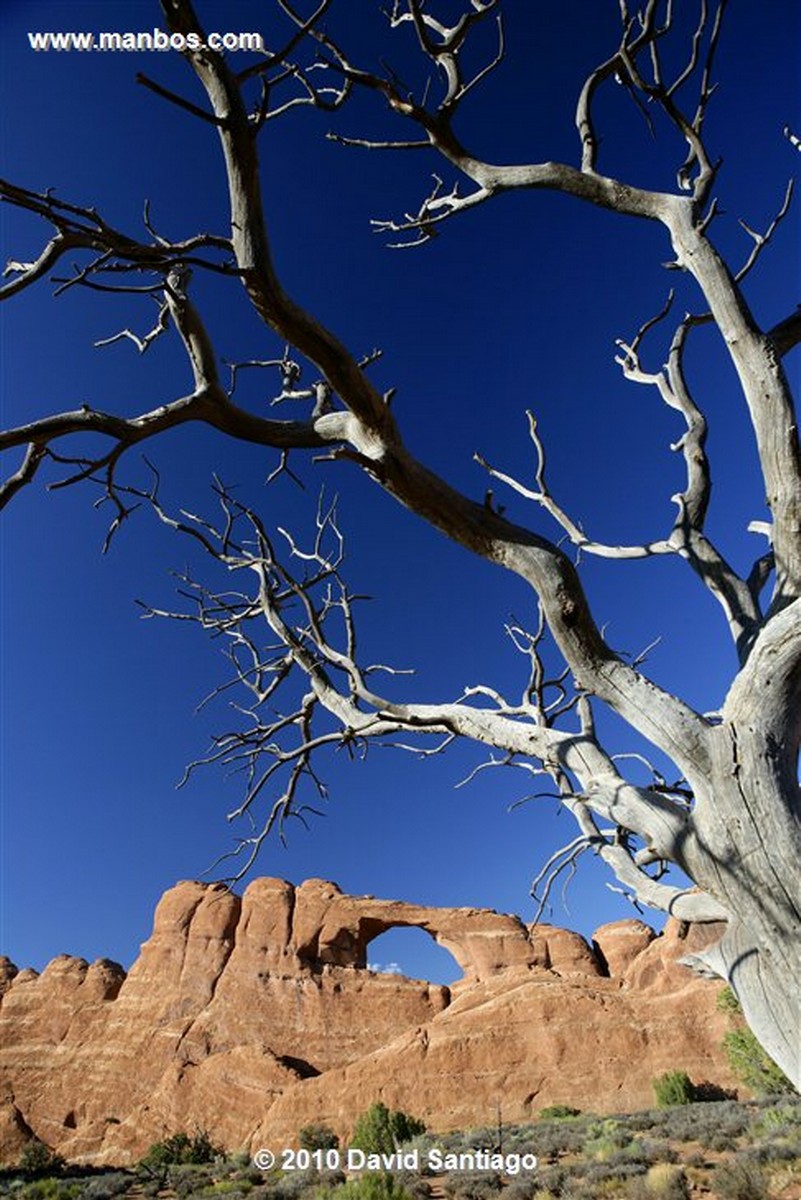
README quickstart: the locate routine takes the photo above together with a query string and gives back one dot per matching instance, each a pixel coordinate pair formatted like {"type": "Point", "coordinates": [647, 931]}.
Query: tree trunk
{"type": "Point", "coordinates": [746, 853]}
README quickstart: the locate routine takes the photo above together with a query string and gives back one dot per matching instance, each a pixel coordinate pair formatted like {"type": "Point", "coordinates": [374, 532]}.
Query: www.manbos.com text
{"type": "Point", "coordinates": [155, 39]}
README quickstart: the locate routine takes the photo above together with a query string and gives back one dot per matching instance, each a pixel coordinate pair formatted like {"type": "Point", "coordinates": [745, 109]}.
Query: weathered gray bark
{"type": "Point", "coordinates": [734, 827]}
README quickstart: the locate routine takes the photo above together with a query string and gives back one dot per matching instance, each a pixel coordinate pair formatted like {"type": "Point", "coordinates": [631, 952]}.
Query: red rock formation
{"type": "Point", "coordinates": [252, 1017]}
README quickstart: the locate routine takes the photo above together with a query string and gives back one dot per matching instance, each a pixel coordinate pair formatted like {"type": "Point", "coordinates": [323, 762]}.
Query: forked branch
{"type": "Point", "coordinates": [309, 693]}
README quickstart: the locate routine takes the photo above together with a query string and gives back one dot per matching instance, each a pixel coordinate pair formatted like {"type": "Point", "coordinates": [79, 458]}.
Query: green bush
{"type": "Point", "coordinates": [373, 1186]}
{"type": "Point", "coordinates": [672, 1088]}
{"type": "Point", "coordinates": [728, 1003]}
{"type": "Point", "coordinates": [601, 1148]}
{"type": "Point", "coordinates": [750, 1063]}
{"type": "Point", "coordinates": [662, 1182]}
{"type": "Point", "coordinates": [606, 1135]}
{"type": "Point", "coordinates": [38, 1159]}
{"type": "Point", "coordinates": [317, 1137]}
{"type": "Point", "coordinates": [747, 1059]}
{"type": "Point", "coordinates": [50, 1188]}
{"type": "Point", "coordinates": [559, 1112]}
{"type": "Point", "coordinates": [379, 1131]}
{"type": "Point", "coordinates": [181, 1149]}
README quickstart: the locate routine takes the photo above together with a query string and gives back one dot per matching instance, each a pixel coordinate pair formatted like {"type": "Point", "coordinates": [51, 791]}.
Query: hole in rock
{"type": "Point", "coordinates": [406, 950]}
{"type": "Point", "coordinates": [305, 1070]}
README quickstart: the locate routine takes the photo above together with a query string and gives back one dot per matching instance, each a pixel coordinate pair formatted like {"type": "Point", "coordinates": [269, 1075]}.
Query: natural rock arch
{"type": "Point", "coordinates": [332, 929]}
{"type": "Point", "coordinates": [415, 953]}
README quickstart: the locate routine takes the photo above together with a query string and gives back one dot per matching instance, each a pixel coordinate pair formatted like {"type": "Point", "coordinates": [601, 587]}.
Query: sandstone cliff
{"type": "Point", "coordinates": [252, 1017]}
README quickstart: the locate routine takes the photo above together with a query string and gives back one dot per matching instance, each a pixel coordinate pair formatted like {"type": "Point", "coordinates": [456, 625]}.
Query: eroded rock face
{"type": "Point", "coordinates": [252, 1017]}
{"type": "Point", "coordinates": [618, 944]}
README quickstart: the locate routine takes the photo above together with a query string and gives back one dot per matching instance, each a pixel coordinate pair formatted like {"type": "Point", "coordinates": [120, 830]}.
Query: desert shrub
{"type": "Point", "coordinates": [473, 1185]}
{"type": "Point", "coordinates": [672, 1088]}
{"type": "Point", "coordinates": [726, 1117]}
{"type": "Point", "coordinates": [37, 1158]}
{"type": "Point", "coordinates": [753, 1065]}
{"type": "Point", "coordinates": [599, 1172]}
{"type": "Point", "coordinates": [250, 1174]}
{"type": "Point", "coordinates": [405, 1127]}
{"type": "Point", "coordinates": [412, 1184]}
{"type": "Point", "coordinates": [105, 1187]}
{"type": "Point", "coordinates": [740, 1180]}
{"type": "Point", "coordinates": [653, 1119]}
{"type": "Point", "coordinates": [597, 1180]}
{"type": "Point", "coordinates": [781, 1121]}
{"type": "Point", "coordinates": [653, 1150]}
{"type": "Point", "coordinates": [422, 1143]}
{"type": "Point", "coordinates": [181, 1149]}
{"type": "Point", "coordinates": [240, 1159]}
{"type": "Point", "coordinates": [785, 1152]}
{"type": "Point", "coordinates": [551, 1179]}
{"type": "Point", "coordinates": [784, 1177]}
{"type": "Point", "coordinates": [559, 1138]}
{"type": "Point", "coordinates": [373, 1186]}
{"type": "Point", "coordinates": [720, 1143]}
{"type": "Point", "coordinates": [295, 1184]}
{"type": "Point", "coordinates": [558, 1112]}
{"type": "Point", "coordinates": [50, 1188]}
{"type": "Point", "coordinates": [185, 1180]}
{"type": "Point", "coordinates": [747, 1059]}
{"type": "Point", "coordinates": [668, 1123]}
{"type": "Point", "coordinates": [605, 1138]}
{"type": "Point", "coordinates": [519, 1139]}
{"type": "Point", "coordinates": [761, 1154]}
{"type": "Point", "coordinates": [663, 1181]}
{"type": "Point", "coordinates": [634, 1153]}
{"type": "Point", "coordinates": [485, 1138]}
{"type": "Point", "coordinates": [523, 1188]}
{"type": "Point", "coordinates": [728, 1003]}
{"type": "Point", "coordinates": [381, 1131]}
{"type": "Point", "coordinates": [601, 1148]}
{"type": "Point", "coordinates": [228, 1187]}
{"type": "Point", "coordinates": [450, 1142]}
{"type": "Point", "coordinates": [317, 1137]}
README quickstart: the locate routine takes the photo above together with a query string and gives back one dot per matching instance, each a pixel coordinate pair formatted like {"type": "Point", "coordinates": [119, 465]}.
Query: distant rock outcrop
{"type": "Point", "coordinates": [252, 1017]}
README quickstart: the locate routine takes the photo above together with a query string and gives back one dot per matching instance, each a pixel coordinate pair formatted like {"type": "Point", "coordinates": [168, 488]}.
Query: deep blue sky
{"type": "Point", "coordinates": [515, 306]}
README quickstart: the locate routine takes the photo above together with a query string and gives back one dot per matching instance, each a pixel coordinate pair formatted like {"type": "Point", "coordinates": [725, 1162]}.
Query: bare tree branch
{"type": "Point", "coordinates": [761, 240]}
{"type": "Point", "coordinates": [336, 686]}
{"type": "Point", "coordinates": [787, 334]}
{"type": "Point", "coordinates": [186, 105]}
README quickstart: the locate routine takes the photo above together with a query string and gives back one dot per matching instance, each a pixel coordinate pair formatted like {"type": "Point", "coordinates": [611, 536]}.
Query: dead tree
{"type": "Point", "coordinates": [730, 820]}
